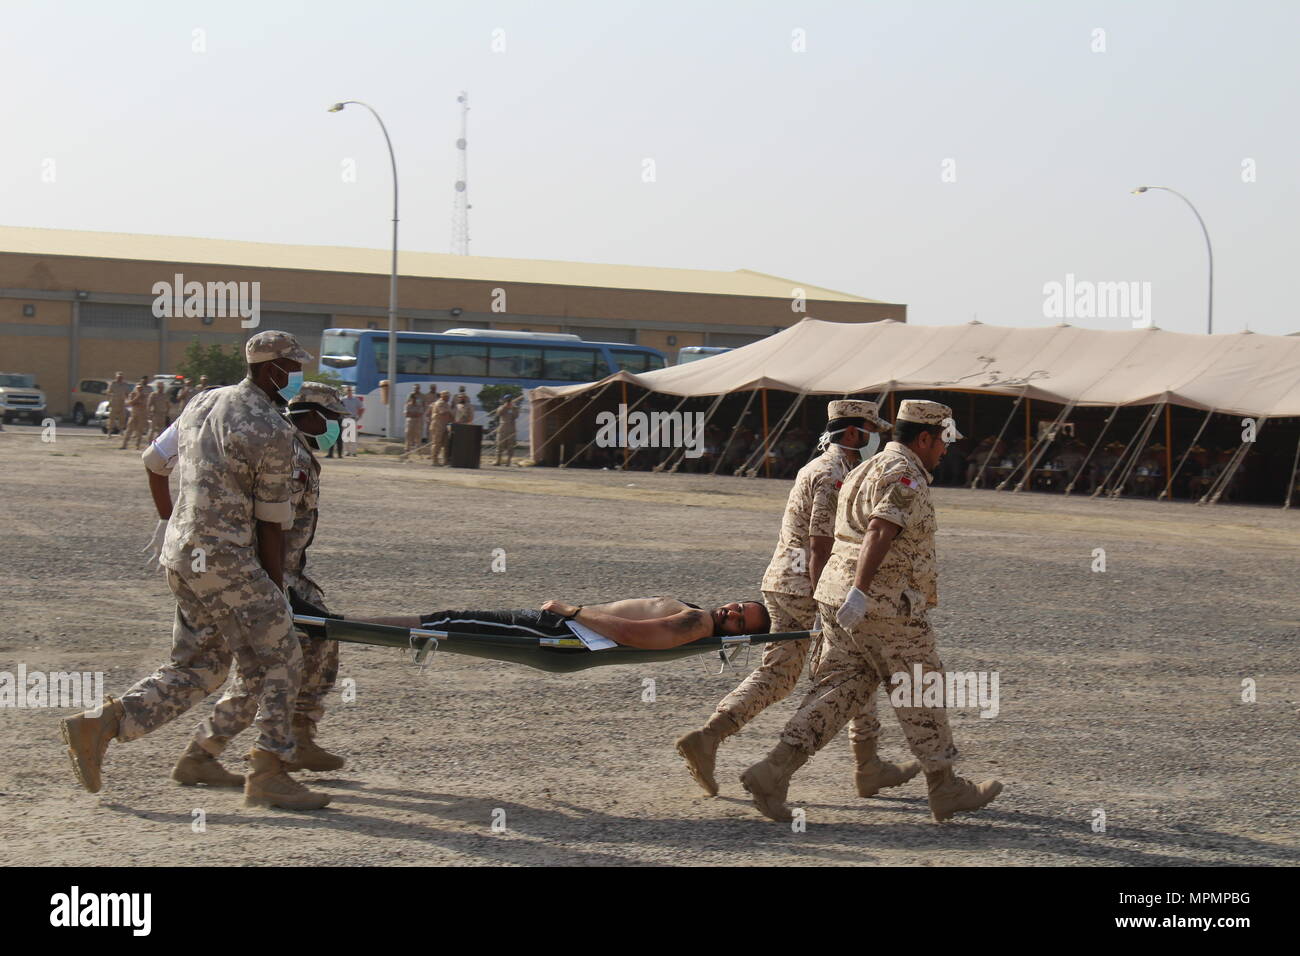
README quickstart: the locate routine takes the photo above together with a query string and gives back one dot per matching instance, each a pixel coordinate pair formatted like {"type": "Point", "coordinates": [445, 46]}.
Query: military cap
{"type": "Point", "coordinates": [927, 413]}
{"type": "Point", "coordinates": [318, 393]}
{"type": "Point", "coordinates": [268, 345]}
{"type": "Point", "coordinates": [841, 409]}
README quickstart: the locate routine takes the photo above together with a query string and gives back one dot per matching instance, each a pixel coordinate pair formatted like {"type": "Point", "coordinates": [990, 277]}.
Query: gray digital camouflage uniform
{"type": "Point", "coordinates": [235, 711]}
{"type": "Point", "coordinates": [235, 455]}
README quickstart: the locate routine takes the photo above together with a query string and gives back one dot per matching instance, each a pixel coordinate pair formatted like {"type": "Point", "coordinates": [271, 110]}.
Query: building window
{"type": "Point", "coordinates": [105, 315]}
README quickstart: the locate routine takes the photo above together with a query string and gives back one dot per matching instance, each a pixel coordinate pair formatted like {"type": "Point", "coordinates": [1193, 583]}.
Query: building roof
{"type": "Point", "coordinates": [345, 259]}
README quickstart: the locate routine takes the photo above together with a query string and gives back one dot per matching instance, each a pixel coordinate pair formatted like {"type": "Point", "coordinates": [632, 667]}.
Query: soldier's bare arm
{"type": "Point", "coordinates": [270, 550]}
{"type": "Point", "coordinates": [161, 493]}
{"type": "Point", "coordinates": [877, 541]}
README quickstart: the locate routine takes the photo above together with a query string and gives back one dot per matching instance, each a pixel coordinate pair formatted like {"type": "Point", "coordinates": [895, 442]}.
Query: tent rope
{"type": "Point", "coordinates": [677, 459]}
{"type": "Point", "coordinates": [1225, 479]}
{"type": "Point", "coordinates": [1084, 464]}
{"type": "Point", "coordinates": [593, 441]}
{"type": "Point", "coordinates": [1291, 487]}
{"type": "Point", "coordinates": [637, 449]}
{"type": "Point", "coordinates": [725, 448]}
{"type": "Point", "coordinates": [992, 448]}
{"type": "Point", "coordinates": [590, 398]}
{"type": "Point", "coordinates": [1195, 438]}
{"type": "Point", "coordinates": [772, 438]}
{"type": "Point", "coordinates": [1128, 458]}
{"type": "Point", "coordinates": [1041, 445]}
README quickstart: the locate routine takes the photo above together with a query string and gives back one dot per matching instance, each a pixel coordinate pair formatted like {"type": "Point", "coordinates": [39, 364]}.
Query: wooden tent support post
{"type": "Point", "coordinates": [767, 459]}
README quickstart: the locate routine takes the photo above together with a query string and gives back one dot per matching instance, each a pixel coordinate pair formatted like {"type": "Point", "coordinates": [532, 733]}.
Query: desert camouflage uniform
{"type": "Point", "coordinates": [159, 405]}
{"type": "Point", "coordinates": [236, 465]}
{"type": "Point", "coordinates": [463, 412]}
{"type": "Point", "coordinates": [414, 412]}
{"type": "Point", "coordinates": [507, 415]}
{"type": "Point", "coordinates": [235, 710]}
{"type": "Point", "coordinates": [895, 634]}
{"type": "Point", "coordinates": [137, 404]}
{"type": "Point", "coordinates": [439, 420]}
{"type": "Point", "coordinates": [787, 593]}
{"type": "Point", "coordinates": [117, 395]}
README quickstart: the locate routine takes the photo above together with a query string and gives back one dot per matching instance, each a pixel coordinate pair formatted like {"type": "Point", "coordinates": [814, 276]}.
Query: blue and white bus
{"type": "Point", "coordinates": [472, 358]}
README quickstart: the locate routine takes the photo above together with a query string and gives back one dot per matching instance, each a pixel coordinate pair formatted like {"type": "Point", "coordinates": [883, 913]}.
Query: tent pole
{"type": "Point", "coordinates": [767, 461]}
{"type": "Point", "coordinates": [1291, 486]}
{"type": "Point", "coordinates": [980, 474]}
{"type": "Point", "coordinates": [1182, 461]}
{"type": "Point", "coordinates": [1102, 434]}
{"type": "Point", "coordinates": [1029, 404]}
{"type": "Point", "coordinates": [732, 437]}
{"type": "Point", "coordinates": [1169, 449]}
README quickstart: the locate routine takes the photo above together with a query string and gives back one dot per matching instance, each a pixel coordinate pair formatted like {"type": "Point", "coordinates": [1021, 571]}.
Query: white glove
{"type": "Point", "coordinates": [852, 611]}
{"type": "Point", "coordinates": [154, 547]}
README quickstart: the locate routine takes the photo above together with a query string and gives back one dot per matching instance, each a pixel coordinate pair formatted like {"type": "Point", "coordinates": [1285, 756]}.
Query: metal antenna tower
{"type": "Point", "coordinates": [460, 203]}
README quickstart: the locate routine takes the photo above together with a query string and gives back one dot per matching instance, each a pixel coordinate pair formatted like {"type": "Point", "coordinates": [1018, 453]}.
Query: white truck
{"type": "Point", "coordinates": [21, 398]}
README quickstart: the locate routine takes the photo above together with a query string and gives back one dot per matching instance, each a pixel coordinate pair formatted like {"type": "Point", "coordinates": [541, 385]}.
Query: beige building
{"type": "Point", "coordinates": [76, 305]}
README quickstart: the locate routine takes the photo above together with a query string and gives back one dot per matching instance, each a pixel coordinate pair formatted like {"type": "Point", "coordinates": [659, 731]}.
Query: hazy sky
{"type": "Point", "coordinates": [825, 166]}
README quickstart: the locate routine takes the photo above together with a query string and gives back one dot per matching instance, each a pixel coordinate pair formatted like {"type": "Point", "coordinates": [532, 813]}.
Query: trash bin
{"type": "Point", "coordinates": [466, 446]}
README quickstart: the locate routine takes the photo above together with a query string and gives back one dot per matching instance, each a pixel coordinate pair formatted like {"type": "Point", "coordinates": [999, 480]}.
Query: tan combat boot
{"type": "Point", "coordinates": [268, 784]}
{"type": "Point", "coordinates": [88, 738]}
{"type": "Point", "coordinates": [309, 756]}
{"type": "Point", "coordinates": [769, 781]}
{"type": "Point", "coordinates": [198, 766]}
{"type": "Point", "coordinates": [874, 774]}
{"type": "Point", "coordinates": [699, 749]}
{"type": "Point", "coordinates": [951, 794]}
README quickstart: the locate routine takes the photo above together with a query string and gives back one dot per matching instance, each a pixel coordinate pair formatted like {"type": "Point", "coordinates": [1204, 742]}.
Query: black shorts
{"type": "Point", "coordinates": [508, 623]}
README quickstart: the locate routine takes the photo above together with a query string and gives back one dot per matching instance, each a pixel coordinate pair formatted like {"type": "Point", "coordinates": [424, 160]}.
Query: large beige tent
{"type": "Point", "coordinates": [1241, 373]}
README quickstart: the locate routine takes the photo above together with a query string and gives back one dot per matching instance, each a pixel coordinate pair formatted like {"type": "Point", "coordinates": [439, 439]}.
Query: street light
{"type": "Point", "coordinates": [392, 282]}
{"type": "Point", "coordinates": [1209, 321]}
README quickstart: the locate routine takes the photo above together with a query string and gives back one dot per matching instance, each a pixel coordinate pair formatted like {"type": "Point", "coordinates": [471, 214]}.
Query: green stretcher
{"type": "Point", "coordinates": [555, 655]}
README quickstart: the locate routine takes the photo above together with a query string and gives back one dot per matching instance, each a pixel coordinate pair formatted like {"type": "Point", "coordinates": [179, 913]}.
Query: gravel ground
{"type": "Point", "coordinates": [1120, 691]}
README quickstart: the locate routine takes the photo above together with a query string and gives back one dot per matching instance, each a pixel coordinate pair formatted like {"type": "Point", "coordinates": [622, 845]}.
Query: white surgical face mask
{"type": "Point", "coordinates": [866, 451]}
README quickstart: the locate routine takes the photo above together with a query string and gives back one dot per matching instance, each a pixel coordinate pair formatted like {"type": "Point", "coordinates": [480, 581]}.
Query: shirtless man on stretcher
{"type": "Point", "coordinates": [656, 623]}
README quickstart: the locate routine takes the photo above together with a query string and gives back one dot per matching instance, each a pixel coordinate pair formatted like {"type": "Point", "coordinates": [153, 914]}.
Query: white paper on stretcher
{"type": "Point", "coordinates": [594, 641]}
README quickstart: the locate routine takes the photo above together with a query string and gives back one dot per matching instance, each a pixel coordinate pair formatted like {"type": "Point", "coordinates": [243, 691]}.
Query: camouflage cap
{"type": "Point", "coordinates": [928, 413]}
{"type": "Point", "coordinates": [852, 408]}
{"type": "Point", "coordinates": [318, 393]}
{"type": "Point", "coordinates": [271, 344]}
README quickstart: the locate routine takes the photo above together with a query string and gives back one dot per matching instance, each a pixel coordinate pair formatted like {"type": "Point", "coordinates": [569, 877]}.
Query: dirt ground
{"type": "Point", "coordinates": [1120, 691]}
